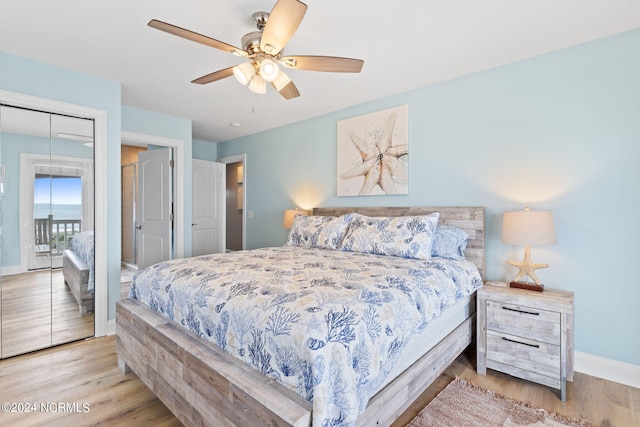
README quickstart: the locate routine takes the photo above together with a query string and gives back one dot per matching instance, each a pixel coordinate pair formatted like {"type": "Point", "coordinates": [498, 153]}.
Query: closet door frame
{"type": "Point", "coordinates": [100, 188]}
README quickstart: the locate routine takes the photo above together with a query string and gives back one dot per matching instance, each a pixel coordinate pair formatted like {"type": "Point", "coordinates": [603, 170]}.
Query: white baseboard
{"type": "Point", "coordinates": [13, 269]}
{"type": "Point", "coordinates": [111, 327]}
{"type": "Point", "coordinates": [612, 370]}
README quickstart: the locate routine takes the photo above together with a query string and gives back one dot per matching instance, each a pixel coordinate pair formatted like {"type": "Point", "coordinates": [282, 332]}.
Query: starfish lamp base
{"type": "Point", "coordinates": [527, 286]}
{"type": "Point", "coordinates": [527, 269]}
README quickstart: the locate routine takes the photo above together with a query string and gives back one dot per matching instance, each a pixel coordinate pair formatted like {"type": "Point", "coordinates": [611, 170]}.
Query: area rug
{"type": "Point", "coordinates": [462, 404]}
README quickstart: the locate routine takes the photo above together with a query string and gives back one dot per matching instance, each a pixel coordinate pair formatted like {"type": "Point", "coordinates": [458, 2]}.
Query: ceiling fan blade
{"type": "Point", "coordinates": [289, 91]}
{"type": "Point", "coordinates": [282, 24]}
{"type": "Point", "coordinates": [323, 63]}
{"type": "Point", "coordinates": [193, 36]}
{"type": "Point", "coordinates": [214, 77]}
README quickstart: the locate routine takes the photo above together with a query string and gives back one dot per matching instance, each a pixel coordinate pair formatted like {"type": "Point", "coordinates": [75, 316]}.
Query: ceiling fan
{"type": "Point", "coordinates": [264, 50]}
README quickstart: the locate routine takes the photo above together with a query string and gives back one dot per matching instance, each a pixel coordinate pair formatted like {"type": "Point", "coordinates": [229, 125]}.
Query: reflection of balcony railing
{"type": "Point", "coordinates": [53, 236]}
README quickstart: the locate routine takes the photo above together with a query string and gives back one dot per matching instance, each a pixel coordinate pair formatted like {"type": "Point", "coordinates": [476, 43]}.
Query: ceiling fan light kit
{"type": "Point", "coordinates": [264, 50]}
{"type": "Point", "coordinates": [244, 72]}
{"type": "Point", "coordinates": [258, 85]}
{"type": "Point", "coordinates": [269, 70]}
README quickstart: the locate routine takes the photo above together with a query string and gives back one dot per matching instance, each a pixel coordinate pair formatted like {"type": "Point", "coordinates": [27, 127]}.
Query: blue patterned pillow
{"type": "Point", "coordinates": [406, 236]}
{"type": "Point", "coordinates": [325, 232]}
{"type": "Point", "coordinates": [449, 242]}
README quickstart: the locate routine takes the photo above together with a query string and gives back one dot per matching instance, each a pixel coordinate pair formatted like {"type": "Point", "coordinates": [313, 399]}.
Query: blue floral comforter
{"type": "Point", "coordinates": [83, 245]}
{"type": "Point", "coordinates": [328, 324]}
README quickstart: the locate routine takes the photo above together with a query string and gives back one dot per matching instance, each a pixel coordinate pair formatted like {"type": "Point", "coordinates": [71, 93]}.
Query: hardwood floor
{"type": "Point", "coordinates": [86, 372]}
{"type": "Point", "coordinates": [38, 311]}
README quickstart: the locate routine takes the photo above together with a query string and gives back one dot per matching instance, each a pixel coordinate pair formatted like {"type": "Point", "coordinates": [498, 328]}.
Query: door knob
{"type": "Point", "coordinates": [139, 226]}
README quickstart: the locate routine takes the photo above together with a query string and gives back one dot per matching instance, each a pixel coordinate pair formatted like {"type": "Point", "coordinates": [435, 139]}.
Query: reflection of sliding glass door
{"type": "Point", "coordinates": [47, 200]}
{"type": "Point", "coordinates": [58, 210]}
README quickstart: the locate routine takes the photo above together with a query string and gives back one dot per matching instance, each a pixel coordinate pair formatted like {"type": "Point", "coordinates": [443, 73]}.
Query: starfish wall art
{"type": "Point", "coordinates": [373, 151]}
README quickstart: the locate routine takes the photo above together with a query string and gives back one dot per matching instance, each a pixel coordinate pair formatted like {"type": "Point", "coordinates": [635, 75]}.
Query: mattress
{"type": "Point", "coordinates": [435, 332]}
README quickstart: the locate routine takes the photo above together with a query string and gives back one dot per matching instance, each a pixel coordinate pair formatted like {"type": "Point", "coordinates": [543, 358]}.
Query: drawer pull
{"type": "Point", "coordinates": [523, 343]}
{"type": "Point", "coordinates": [533, 313]}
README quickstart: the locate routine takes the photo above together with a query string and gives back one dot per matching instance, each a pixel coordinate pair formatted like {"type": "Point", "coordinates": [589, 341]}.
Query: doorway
{"type": "Point", "coordinates": [178, 179]}
{"type": "Point", "coordinates": [208, 213]}
{"type": "Point", "coordinates": [236, 201]}
{"type": "Point", "coordinates": [129, 195]}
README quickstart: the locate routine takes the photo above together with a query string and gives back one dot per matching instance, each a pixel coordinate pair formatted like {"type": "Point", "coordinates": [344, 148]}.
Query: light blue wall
{"type": "Point", "coordinates": [204, 150]}
{"type": "Point", "coordinates": [560, 131]}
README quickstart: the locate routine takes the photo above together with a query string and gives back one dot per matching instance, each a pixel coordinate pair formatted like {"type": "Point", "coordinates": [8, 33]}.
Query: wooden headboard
{"type": "Point", "coordinates": [469, 219]}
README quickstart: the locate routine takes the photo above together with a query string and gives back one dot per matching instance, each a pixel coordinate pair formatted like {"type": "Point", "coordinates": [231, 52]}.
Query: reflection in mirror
{"type": "Point", "coordinates": [46, 222]}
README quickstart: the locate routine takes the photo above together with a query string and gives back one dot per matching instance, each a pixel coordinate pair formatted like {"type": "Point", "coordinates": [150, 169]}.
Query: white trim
{"type": "Point", "coordinates": [144, 139]}
{"type": "Point", "coordinates": [111, 327]}
{"type": "Point", "coordinates": [234, 159]}
{"type": "Point", "coordinates": [100, 157]}
{"type": "Point", "coordinates": [12, 269]}
{"type": "Point", "coordinates": [609, 369]}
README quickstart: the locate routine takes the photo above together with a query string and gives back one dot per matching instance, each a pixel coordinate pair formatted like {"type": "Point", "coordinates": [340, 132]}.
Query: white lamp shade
{"type": "Point", "coordinates": [281, 81]}
{"type": "Point", "coordinates": [258, 85]}
{"type": "Point", "coordinates": [269, 70]}
{"type": "Point", "coordinates": [528, 228]}
{"type": "Point", "coordinates": [244, 72]}
{"type": "Point", "coordinates": [289, 214]}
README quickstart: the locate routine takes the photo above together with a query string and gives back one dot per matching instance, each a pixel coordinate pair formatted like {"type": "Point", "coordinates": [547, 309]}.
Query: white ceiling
{"type": "Point", "coordinates": [405, 44]}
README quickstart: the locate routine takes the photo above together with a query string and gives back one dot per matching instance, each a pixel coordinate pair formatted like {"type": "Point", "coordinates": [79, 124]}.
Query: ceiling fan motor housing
{"type": "Point", "coordinates": [251, 42]}
{"type": "Point", "coordinates": [260, 19]}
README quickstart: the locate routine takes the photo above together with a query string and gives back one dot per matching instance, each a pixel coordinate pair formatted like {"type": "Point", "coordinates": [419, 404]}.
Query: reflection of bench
{"type": "Point", "coordinates": [43, 231]}
{"type": "Point", "coordinates": [76, 276]}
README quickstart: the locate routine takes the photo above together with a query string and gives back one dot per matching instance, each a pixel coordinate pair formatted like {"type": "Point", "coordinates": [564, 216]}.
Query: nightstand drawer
{"type": "Point", "coordinates": [532, 323]}
{"type": "Point", "coordinates": [530, 355]}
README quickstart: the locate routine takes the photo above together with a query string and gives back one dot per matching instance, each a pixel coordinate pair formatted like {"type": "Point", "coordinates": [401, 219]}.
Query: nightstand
{"type": "Point", "coordinates": [526, 334]}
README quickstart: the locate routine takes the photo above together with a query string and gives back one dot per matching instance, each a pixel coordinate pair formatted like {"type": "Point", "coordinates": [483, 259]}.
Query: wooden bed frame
{"type": "Point", "coordinates": [203, 385]}
{"type": "Point", "coordinates": [76, 276]}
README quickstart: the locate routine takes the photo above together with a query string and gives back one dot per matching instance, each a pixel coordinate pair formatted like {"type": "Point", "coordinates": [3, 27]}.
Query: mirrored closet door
{"type": "Point", "coordinates": [46, 229]}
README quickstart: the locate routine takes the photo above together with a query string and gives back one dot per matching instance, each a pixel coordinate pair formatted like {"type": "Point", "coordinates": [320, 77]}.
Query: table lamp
{"type": "Point", "coordinates": [289, 214]}
{"type": "Point", "coordinates": [528, 228]}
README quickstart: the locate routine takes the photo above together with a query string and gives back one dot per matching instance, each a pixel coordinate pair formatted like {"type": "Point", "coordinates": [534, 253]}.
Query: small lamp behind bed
{"type": "Point", "coordinates": [528, 228]}
{"type": "Point", "coordinates": [289, 214]}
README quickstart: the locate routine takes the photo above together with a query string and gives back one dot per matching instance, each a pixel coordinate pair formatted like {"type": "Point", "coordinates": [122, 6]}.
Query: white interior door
{"type": "Point", "coordinates": [208, 226]}
{"type": "Point", "coordinates": [154, 219]}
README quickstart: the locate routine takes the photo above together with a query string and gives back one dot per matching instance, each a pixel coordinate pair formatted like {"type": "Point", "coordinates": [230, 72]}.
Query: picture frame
{"type": "Point", "coordinates": [373, 153]}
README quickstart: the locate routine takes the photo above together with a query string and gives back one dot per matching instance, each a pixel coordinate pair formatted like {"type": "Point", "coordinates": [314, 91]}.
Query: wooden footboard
{"type": "Point", "coordinates": [76, 276]}
{"type": "Point", "coordinates": [203, 385]}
